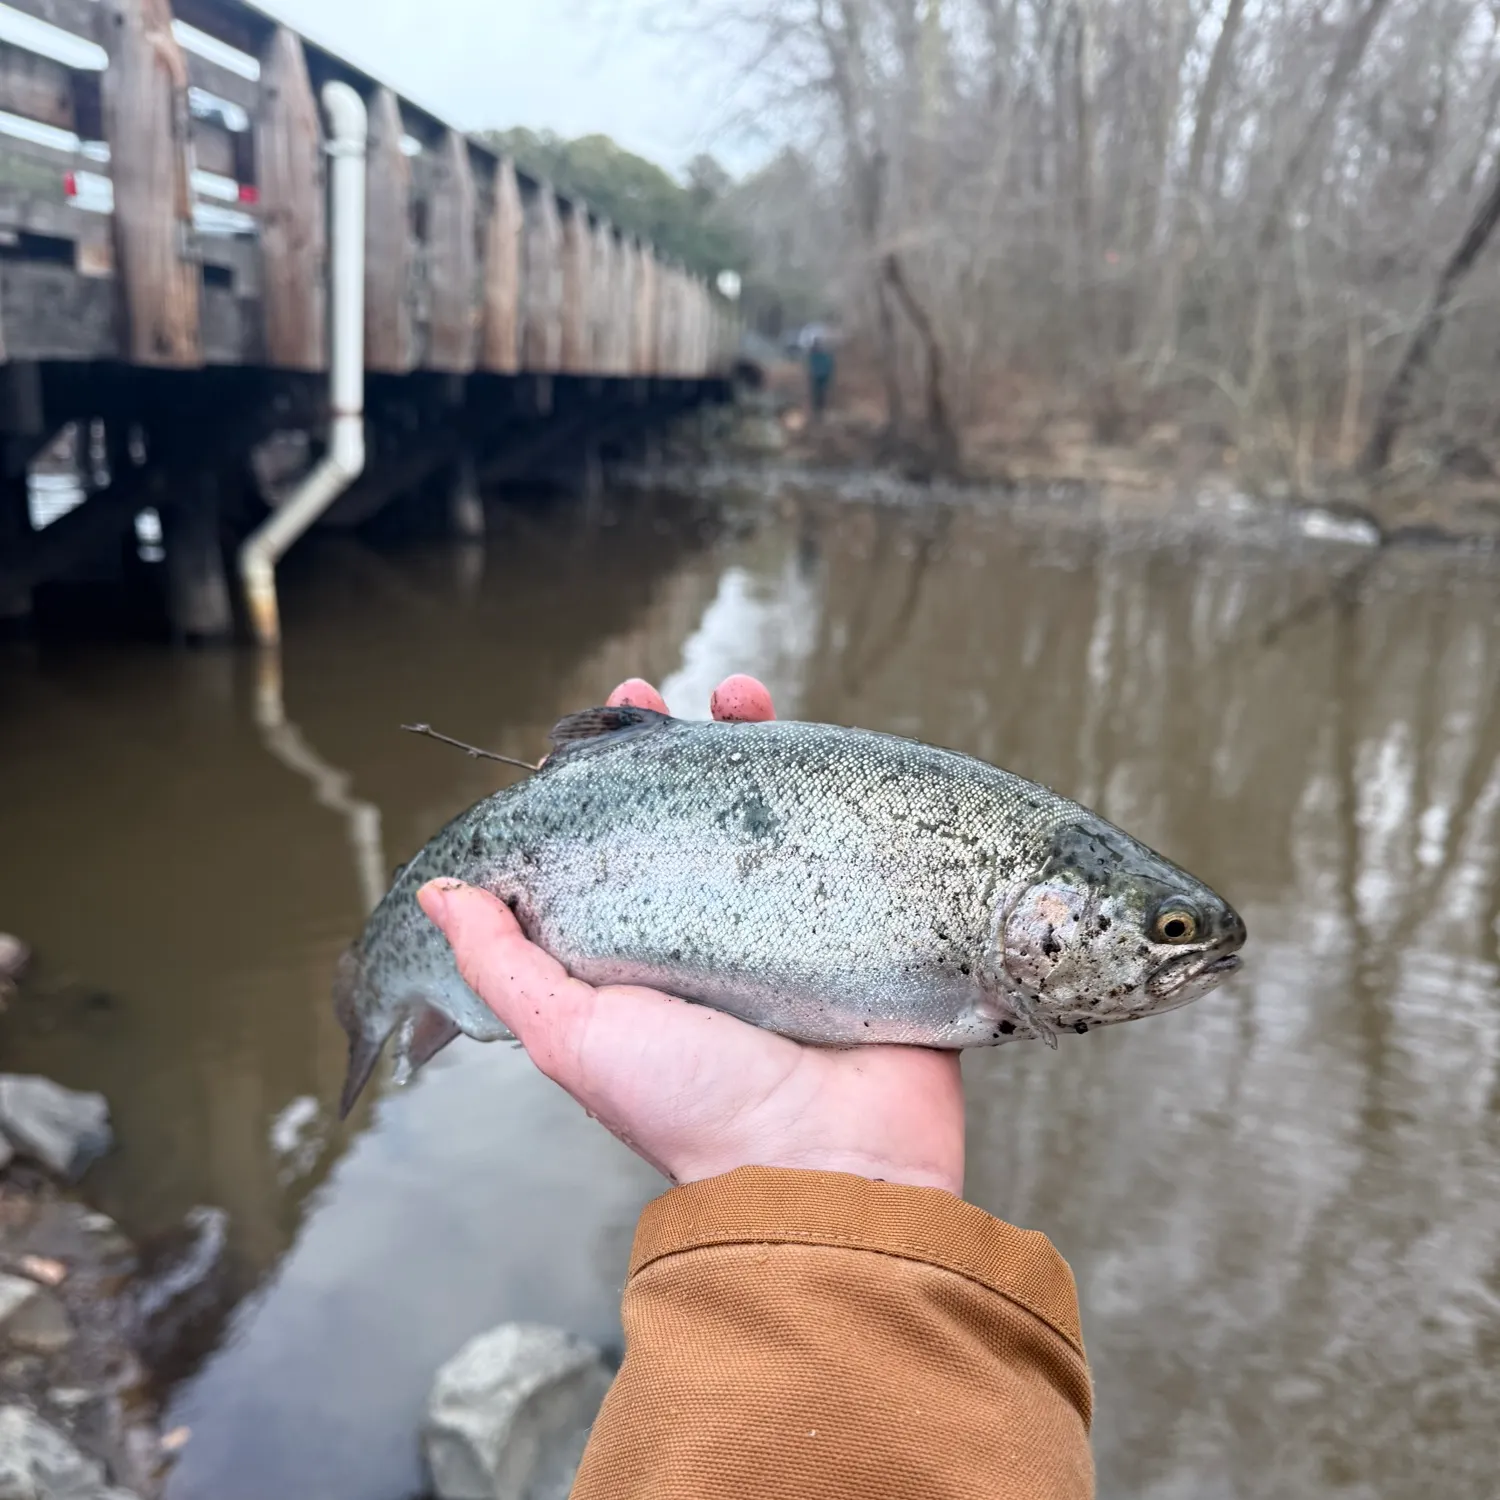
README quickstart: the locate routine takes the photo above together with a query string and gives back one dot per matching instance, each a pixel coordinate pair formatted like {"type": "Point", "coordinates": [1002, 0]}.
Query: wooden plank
{"type": "Point", "coordinates": [79, 17]}
{"type": "Point", "coordinates": [388, 242]}
{"type": "Point", "coordinates": [146, 125]}
{"type": "Point", "coordinates": [48, 312]}
{"type": "Point", "coordinates": [452, 270]}
{"type": "Point", "coordinates": [237, 26]}
{"type": "Point", "coordinates": [601, 288]}
{"type": "Point", "coordinates": [214, 148]}
{"type": "Point", "coordinates": [575, 291]}
{"type": "Point", "coordinates": [622, 307]}
{"type": "Point", "coordinates": [231, 332]}
{"type": "Point", "coordinates": [36, 88]}
{"type": "Point", "coordinates": [223, 83]}
{"type": "Point", "coordinates": [501, 347]}
{"type": "Point", "coordinates": [294, 233]}
{"type": "Point", "coordinates": [666, 321]}
{"type": "Point", "coordinates": [643, 321]}
{"type": "Point", "coordinates": [541, 347]}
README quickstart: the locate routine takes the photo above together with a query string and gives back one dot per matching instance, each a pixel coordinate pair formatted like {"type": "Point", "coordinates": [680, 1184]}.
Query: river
{"type": "Point", "coordinates": [1282, 1204]}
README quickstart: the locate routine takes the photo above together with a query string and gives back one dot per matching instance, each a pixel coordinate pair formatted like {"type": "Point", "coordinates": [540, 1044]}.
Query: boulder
{"type": "Point", "coordinates": [14, 956]}
{"type": "Point", "coordinates": [510, 1413]}
{"type": "Point", "coordinates": [38, 1463]}
{"type": "Point", "coordinates": [63, 1129]}
{"type": "Point", "coordinates": [31, 1317]}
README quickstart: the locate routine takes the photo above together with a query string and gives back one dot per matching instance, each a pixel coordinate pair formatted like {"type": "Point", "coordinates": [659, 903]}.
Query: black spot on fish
{"type": "Point", "coordinates": [1143, 951]}
{"type": "Point", "coordinates": [1081, 1027]}
{"type": "Point", "coordinates": [476, 845]}
{"type": "Point", "coordinates": [964, 969]}
{"type": "Point", "coordinates": [1050, 945]}
{"type": "Point", "coordinates": [1103, 924]}
{"type": "Point", "coordinates": [1007, 1027]}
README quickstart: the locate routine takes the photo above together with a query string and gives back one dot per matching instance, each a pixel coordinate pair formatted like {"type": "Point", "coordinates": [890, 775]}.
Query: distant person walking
{"type": "Point", "coordinates": [819, 376]}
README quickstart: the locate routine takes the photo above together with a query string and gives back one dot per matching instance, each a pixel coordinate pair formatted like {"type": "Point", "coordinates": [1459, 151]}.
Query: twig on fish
{"type": "Point", "coordinates": [472, 751]}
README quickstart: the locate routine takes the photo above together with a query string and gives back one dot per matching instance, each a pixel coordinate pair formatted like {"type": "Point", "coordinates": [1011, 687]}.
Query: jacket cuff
{"type": "Point", "coordinates": [779, 1206]}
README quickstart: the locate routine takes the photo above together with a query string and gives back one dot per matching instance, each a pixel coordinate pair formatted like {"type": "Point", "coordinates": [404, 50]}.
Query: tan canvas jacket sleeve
{"type": "Point", "coordinates": [800, 1334]}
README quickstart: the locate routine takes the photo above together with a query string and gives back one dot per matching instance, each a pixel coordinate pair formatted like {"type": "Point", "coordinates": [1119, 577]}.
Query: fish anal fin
{"type": "Point", "coordinates": [595, 724]}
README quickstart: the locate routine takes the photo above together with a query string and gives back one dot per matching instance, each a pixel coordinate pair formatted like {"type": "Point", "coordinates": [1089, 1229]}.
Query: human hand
{"type": "Point", "coordinates": [692, 1090]}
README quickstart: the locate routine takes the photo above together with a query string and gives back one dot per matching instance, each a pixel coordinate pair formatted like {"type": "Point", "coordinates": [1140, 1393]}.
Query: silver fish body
{"type": "Point", "coordinates": [834, 885]}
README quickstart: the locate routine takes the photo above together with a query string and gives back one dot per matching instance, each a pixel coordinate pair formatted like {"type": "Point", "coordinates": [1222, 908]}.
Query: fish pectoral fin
{"type": "Point", "coordinates": [1025, 1008]}
{"type": "Point", "coordinates": [595, 724]}
{"type": "Point", "coordinates": [431, 1032]}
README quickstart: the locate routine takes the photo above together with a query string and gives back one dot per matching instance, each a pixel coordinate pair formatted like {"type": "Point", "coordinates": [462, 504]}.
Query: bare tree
{"type": "Point", "coordinates": [1236, 215]}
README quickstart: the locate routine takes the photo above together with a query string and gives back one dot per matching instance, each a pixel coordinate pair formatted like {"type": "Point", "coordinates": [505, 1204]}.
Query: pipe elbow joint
{"type": "Point", "coordinates": [347, 116]}
{"type": "Point", "coordinates": [347, 445]}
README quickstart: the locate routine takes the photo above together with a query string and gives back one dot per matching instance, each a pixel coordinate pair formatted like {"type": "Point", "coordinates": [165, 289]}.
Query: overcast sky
{"type": "Point", "coordinates": [573, 66]}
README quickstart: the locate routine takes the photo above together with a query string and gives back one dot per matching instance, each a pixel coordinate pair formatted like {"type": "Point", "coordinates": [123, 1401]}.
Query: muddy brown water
{"type": "Point", "coordinates": [1282, 1204]}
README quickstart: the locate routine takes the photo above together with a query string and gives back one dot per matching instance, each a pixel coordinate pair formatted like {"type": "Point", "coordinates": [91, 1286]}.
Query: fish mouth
{"type": "Point", "coordinates": [1201, 970]}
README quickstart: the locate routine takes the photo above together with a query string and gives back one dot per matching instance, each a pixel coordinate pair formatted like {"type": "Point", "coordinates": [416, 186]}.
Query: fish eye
{"type": "Point", "coordinates": [1175, 923]}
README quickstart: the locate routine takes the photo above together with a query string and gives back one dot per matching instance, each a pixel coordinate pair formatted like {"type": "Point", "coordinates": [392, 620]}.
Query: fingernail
{"type": "Point", "coordinates": [434, 897]}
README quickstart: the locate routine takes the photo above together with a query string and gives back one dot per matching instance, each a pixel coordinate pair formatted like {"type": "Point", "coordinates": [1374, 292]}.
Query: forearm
{"type": "Point", "coordinates": [814, 1334]}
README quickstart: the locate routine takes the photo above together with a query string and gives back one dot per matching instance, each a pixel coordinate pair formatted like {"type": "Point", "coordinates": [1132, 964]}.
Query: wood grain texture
{"type": "Point", "coordinates": [500, 348]}
{"type": "Point", "coordinates": [294, 232]}
{"type": "Point", "coordinates": [452, 261]}
{"type": "Point", "coordinates": [146, 125]}
{"type": "Point", "coordinates": [542, 320]}
{"type": "Point", "coordinates": [389, 342]}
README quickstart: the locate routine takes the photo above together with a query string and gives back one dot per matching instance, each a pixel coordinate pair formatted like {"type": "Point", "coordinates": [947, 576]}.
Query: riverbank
{"type": "Point", "coordinates": [91, 1323]}
{"type": "Point", "coordinates": [1029, 446]}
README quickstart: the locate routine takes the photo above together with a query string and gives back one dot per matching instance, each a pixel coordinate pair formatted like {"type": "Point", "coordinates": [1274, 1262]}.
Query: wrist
{"type": "Point", "coordinates": [948, 1176]}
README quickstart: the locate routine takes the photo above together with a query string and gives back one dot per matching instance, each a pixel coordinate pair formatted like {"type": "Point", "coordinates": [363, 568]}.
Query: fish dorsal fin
{"type": "Point", "coordinates": [595, 725]}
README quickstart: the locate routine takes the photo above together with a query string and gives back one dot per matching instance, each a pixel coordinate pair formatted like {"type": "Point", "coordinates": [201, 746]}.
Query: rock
{"type": "Point", "coordinates": [63, 1129]}
{"type": "Point", "coordinates": [14, 956]}
{"type": "Point", "coordinates": [509, 1414]}
{"type": "Point", "coordinates": [31, 1317]}
{"type": "Point", "coordinates": [38, 1463]}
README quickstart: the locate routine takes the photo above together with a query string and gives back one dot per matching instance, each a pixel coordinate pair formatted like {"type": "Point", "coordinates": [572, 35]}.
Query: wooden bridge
{"type": "Point", "coordinates": [164, 290]}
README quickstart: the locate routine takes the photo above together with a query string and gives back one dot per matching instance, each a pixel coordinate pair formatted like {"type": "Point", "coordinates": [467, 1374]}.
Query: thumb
{"type": "Point", "coordinates": [527, 989]}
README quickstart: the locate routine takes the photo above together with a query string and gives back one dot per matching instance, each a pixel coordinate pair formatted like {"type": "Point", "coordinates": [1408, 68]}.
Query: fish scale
{"type": "Point", "coordinates": [834, 885]}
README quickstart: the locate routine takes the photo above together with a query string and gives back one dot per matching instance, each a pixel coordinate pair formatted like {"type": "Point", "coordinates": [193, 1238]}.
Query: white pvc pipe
{"type": "Point", "coordinates": [345, 459]}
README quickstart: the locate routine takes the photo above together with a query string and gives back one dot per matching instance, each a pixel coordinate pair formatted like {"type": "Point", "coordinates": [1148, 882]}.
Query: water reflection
{"type": "Point", "coordinates": [1282, 1204]}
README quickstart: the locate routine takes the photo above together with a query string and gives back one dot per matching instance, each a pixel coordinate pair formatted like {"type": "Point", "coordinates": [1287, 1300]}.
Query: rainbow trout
{"type": "Point", "coordinates": [833, 885]}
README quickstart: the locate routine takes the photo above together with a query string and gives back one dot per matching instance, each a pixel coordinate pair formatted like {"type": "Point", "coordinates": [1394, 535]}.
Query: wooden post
{"type": "Point", "coordinates": [601, 293]}
{"type": "Point", "coordinates": [146, 124]}
{"type": "Point", "coordinates": [502, 274]}
{"type": "Point", "coordinates": [294, 231]}
{"type": "Point", "coordinates": [388, 320]}
{"type": "Point", "coordinates": [621, 307]}
{"type": "Point", "coordinates": [575, 295]}
{"type": "Point", "coordinates": [15, 533]}
{"type": "Point", "coordinates": [197, 587]}
{"type": "Point", "coordinates": [452, 269]}
{"type": "Point", "coordinates": [542, 326]}
{"type": "Point", "coordinates": [666, 321]}
{"type": "Point", "coordinates": [643, 327]}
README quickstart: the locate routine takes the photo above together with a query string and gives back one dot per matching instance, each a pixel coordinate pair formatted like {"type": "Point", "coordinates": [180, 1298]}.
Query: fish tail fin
{"type": "Point", "coordinates": [365, 1045]}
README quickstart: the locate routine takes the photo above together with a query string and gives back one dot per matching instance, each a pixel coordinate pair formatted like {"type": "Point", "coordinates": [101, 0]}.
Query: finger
{"type": "Point", "coordinates": [636, 693]}
{"type": "Point", "coordinates": [531, 993]}
{"type": "Point", "coordinates": [742, 700]}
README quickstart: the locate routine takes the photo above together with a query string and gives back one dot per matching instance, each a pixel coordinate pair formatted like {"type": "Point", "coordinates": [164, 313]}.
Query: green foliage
{"type": "Point", "coordinates": [684, 223]}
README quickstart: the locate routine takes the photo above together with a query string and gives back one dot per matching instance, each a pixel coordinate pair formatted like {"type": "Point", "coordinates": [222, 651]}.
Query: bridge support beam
{"type": "Point", "coordinates": [15, 533]}
{"type": "Point", "coordinates": [465, 504]}
{"type": "Point", "coordinates": [198, 601]}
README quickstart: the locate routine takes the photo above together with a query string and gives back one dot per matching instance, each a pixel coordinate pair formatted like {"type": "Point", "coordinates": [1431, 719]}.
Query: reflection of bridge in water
{"type": "Point", "coordinates": [164, 290]}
